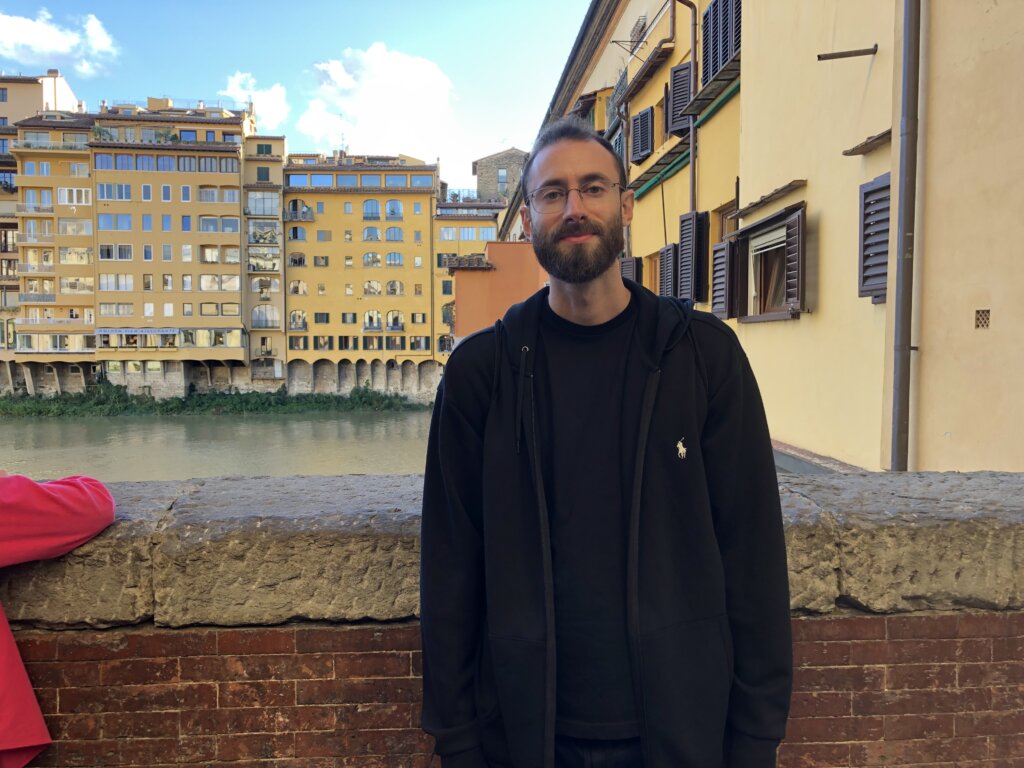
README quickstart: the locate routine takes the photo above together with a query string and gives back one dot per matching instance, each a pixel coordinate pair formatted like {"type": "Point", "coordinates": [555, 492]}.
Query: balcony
{"type": "Point", "coordinates": [30, 208]}
{"type": "Point", "coordinates": [396, 327]}
{"type": "Point", "coordinates": [265, 352]}
{"type": "Point", "coordinates": [372, 328]}
{"type": "Point", "coordinates": [303, 326]}
{"type": "Point", "coordinates": [271, 325]}
{"type": "Point", "coordinates": [51, 321]}
{"type": "Point", "coordinates": [71, 146]}
{"type": "Point", "coordinates": [371, 217]}
{"type": "Point", "coordinates": [37, 298]}
{"type": "Point", "coordinates": [36, 269]}
{"type": "Point", "coordinates": [35, 237]}
{"type": "Point", "coordinates": [8, 277]}
{"type": "Point", "coordinates": [306, 215]}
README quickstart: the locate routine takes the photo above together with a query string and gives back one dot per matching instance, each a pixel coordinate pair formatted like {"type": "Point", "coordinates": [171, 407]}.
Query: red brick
{"type": "Point", "coordinates": [90, 753]}
{"type": "Point", "coordinates": [821, 654]}
{"type": "Point", "coordinates": [268, 667]}
{"type": "Point", "coordinates": [58, 674]}
{"type": "Point", "coordinates": [833, 729]}
{"type": "Point", "coordinates": [138, 671]}
{"type": "Point", "coordinates": [987, 624]}
{"type": "Point", "coordinates": [73, 727]}
{"type": "Point", "coordinates": [1010, 697]}
{"type": "Point", "coordinates": [869, 652]}
{"type": "Point", "coordinates": [905, 727]}
{"type": "Point", "coordinates": [94, 645]}
{"type": "Point", "coordinates": [400, 637]}
{"type": "Point", "coordinates": [989, 723]}
{"type": "Point", "coordinates": [139, 725]}
{"type": "Point", "coordinates": [36, 646]}
{"type": "Point", "coordinates": [255, 641]}
{"type": "Point", "coordinates": [920, 676]}
{"type": "Point", "coordinates": [137, 698]}
{"type": "Point", "coordinates": [196, 749]}
{"type": "Point", "coordinates": [993, 674]}
{"type": "Point", "coordinates": [838, 678]}
{"type": "Point", "coordinates": [375, 716]}
{"type": "Point", "coordinates": [263, 693]}
{"type": "Point", "coordinates": [1016, 623]}
{"type": "Point", "coordinates": [48, 700]}
{"type": "Point", "coordinates": [846, 628]}
{"type": "Point", "coordinates": [1008, 649]}
{"type": "Point", "coordinates": [255, 746]}
{"type": "Point", "coordinates": [921, 702]}
{"type": "Point", "coordinates": [827, 704]}
{"type": "Point", "coordinates": [1011, 745]}
{"type": "Point", "coordinates": [924, 751]}
{"type": "Point", "coordinates": [148, 751]}
{"type": "Point", "coordinates": [347, 665]}
{"type": "Point", "coordinates": [258, 720]}
{"type": "Point", "coordinates": [813, 755]}
{"type": "Point", "coordinates": [381, 761]}
{"type": "Point", "coordinates": [383, 690]}
{"type": "Point", "coordinates": [918, 627]}
{"type": "Point", "coordinates": [417, 663]}
{"type": "Point", "coordinates": [367, 742]}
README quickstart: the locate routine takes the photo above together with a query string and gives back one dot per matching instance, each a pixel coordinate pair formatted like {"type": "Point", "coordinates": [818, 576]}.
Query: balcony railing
{"type": "Point", "coordinates": [396, 327]}
{"type": "Point", "coordinates": [373, 328]}
{"type": "Point", "coordinates": [31, 208]}
{"type": "Point", "coordinates": [265, 325]}
{"type": "Point", "coordinates": [52, 321]}
{"type": "Point", "coordinates": [306, 215]}
{"type": "Point", "coordinates": [66, 145]}
{"type": "Point", "coordinates": [46, 269]}
{"type": "Point", "coordinates": [264, 352]}
{"type": "Point", "coordinates": [37, 298]}
{"type": "Point", "coordinates": [8, 277]}
{"type": "Point", "coordinates": [35, 237]}
{"type": "Point", "coordinates": [303, 326]}
{"type": "Point", "coordinates": [371, 217]}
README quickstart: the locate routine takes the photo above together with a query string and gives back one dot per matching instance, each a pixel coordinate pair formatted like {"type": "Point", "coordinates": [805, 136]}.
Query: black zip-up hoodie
{"type": "Point", "coordinates": [707, 591]}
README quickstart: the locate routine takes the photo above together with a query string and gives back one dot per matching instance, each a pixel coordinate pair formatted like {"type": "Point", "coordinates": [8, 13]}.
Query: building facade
{"type": "Point", "coordinates": [776, 207]}
{"type": "Point", "coordinates": [497, 175]}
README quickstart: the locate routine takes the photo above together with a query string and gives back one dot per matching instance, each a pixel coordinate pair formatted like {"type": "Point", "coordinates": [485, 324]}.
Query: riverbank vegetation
{"type": "Point", "coordinates": [106, 399]}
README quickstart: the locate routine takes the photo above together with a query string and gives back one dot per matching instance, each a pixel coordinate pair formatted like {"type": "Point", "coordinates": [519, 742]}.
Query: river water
{"type": "Point", "coordinates": [181, 447]}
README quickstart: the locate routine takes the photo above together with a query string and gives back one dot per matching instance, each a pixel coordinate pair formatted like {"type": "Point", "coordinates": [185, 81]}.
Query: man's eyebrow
{"type": "Point", "coordinates": [583, 180]}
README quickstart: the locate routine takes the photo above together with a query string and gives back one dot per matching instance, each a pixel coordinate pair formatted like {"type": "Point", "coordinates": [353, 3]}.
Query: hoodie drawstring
{"type": "Point", "coordinates": [519, 395]}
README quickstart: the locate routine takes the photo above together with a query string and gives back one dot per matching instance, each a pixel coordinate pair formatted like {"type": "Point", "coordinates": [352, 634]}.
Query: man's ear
{"type": "Point", "coordinates": [628, 198]}
{"type": "Point", "coordinates": [524, 216]}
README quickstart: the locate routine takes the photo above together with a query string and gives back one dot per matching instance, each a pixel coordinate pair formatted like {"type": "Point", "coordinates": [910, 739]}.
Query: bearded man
{"type": "Point", "coordinates": [603, 578]}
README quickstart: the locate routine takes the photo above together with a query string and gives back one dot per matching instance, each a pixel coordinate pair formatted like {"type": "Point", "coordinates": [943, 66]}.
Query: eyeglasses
{"type": "Point", "coordinates": [554, 199]}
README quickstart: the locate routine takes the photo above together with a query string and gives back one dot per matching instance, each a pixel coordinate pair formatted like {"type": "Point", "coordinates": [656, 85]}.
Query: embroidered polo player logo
{"type": "Point", "coordinates": [681, 449]}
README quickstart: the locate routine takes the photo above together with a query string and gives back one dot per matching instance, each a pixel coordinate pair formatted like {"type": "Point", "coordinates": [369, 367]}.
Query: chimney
{"type": "Point", "coordinates": [53, 73]}
{"type": "Point", "coordinates": [201, 104]}
{"type": "Point", "coordinates": [81, 106]}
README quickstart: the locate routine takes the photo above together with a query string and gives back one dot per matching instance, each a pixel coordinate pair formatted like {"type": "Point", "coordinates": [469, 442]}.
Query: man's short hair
{"type": "Point", "coordinates": [569, 129]}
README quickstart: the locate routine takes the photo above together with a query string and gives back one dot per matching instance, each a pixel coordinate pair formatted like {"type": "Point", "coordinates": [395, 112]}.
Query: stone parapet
{"type": "Point", "coordinates": [261, 551]}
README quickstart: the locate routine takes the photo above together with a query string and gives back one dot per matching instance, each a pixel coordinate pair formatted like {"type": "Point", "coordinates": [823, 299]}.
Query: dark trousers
{"type": "Point", "coordinates": [597, 753]}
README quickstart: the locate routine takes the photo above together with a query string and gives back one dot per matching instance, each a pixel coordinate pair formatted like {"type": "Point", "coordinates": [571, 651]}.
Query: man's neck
{"type": "Point", "coordinates": [591, 303]}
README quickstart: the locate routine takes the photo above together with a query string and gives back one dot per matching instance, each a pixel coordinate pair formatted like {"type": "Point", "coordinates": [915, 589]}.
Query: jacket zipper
{"type": "Point", "coordinates": [633, 558]}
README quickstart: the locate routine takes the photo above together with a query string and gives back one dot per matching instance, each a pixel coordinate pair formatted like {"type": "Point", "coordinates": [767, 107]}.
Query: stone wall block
{"type": "Point", "coordinates": [266, 550]}
{"type": "Point", "coordinates": [106, 582]}
{"type": "Point", "coordinates": [812, 546]}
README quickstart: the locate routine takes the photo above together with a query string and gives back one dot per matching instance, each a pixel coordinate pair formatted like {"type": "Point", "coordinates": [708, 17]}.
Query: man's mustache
{"type": "Point", "coordinates": [574, 228]}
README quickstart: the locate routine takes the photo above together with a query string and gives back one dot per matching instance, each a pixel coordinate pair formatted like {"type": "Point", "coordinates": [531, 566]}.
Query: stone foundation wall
{"type": "Point", "coordinates": [270, 622]}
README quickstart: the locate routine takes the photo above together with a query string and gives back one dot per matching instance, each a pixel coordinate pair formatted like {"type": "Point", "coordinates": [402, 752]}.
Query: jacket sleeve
{"type": "Point", "coordinates": [452, 581]}
{"type": "Point", "coordinates": [44, 520]}
{"type": "Point", "coordinates": [744, 494]}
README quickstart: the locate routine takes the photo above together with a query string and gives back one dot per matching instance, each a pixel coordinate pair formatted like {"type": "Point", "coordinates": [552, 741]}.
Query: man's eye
{"type": "Point", "coordinates": [596, 189]}
{"type": "Point", "coordinates": [550, 195]}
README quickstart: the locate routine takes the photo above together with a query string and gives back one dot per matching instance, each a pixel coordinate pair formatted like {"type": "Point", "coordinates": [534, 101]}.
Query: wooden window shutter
{"type": "Point", "coordinates": [737, 15]}
{"type": "Point", "coordinates": [642, 136]}
{"type": "Point", "coordinates": [795, 262]}
{"type": "Point", "coordinates": [679, 97]}
{"type": "Point", "coordinates": [720, 280]}
{"type": "Point", "coordinates": [707, 47]}
{"type": "Point", "coordinates": [667, 271]}
{"type": "Point", "coordinates": [723, 32]}
{"type": "Point", "coordinates": [631, 268]}
{"type": "Point", "coordinates": [873, 250]}
{"type": "Point", "coordinates": [692, 258]}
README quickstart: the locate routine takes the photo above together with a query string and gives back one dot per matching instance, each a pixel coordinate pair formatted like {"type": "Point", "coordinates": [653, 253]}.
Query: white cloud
{"type": "Point", "coordinates": [41, 41]}
{"type": "Point", "coordinates": [385, 102]}
{"type": "Point", "coordinates": [271, 104]}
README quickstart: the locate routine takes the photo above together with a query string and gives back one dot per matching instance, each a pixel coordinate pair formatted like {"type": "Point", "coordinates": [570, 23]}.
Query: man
{"type": "Point", "coordinates": [604, 574]}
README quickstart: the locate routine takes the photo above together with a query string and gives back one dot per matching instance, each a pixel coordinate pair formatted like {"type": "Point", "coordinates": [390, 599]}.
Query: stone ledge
{"type": "Point", "coordinates": [256, 551]}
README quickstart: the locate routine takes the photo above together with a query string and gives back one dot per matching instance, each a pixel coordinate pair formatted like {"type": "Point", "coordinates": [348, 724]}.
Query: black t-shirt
{"type": "Point", "coordinates": [581, 377]}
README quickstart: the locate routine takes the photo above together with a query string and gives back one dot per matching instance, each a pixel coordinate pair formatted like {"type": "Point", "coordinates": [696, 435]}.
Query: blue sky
{"type": "Point", "coordinates": [449, 78]}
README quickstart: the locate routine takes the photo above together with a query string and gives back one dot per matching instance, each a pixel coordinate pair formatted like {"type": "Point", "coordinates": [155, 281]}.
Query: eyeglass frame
{"type": "Point", "coordinates": [578, 190]}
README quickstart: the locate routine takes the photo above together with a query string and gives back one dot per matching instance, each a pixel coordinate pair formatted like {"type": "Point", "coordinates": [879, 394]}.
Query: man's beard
{"type": "Point", "coordinates": [579, 262]}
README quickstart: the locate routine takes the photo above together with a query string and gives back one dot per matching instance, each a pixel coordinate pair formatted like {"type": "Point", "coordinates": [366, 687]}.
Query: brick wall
{"type": "Point", "coordinates": [937, 690]}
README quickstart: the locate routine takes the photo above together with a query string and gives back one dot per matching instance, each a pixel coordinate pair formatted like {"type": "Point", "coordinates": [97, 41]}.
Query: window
{"type": "Point", "coordinates": [447, 233]}
{"type": "Point", "coordinates": [348, 206]}
{"type": "Point", "coordinates": [371, 234]}
{"type": "Point", "coordinates": [209, 309]}
{"type": "Point", "coordinates": [419, 343]}
{"type": "Point", "coordinates": [263, 203]}
{"type": "Point", "coordinates": [187, 164]}
{"type": "Point", "coordinates": [467, 233]}
{"type": "Point", "coordinates": [207, 164]}
{"type": "Point", "coordinates": [209, 282]}
{"type": "Point", "coordinates": [321, 261]}
{"type": "Point", "coordinates": [184, 135]}
{"type": "Point", "coordinates": [371, 288]}
{"type": "Point", "coordinates": [394, 259]}
{"type": "Point", "coordinates": [690, 277]}
{"type": "Point", "coordinates": [678, 97]}
{"type": "Point", "coordinates": [147, 282]}
{"type": "Point", "coordinates": [417, 208]}
{"type": "Point", "coordinates": [348, 262]}
{"type": "Point", "coordinates": [165, 252]}
{"type": "Point", "coordinates": [298, 179]}
{"type": "Point", "coordinates": [297, 260]}
{"type": "Point", "coordinates": [186, 252]}
{"type": "Point", "coordinates": [231, 309]}
{"type": "Point", "coordinates": [370, 180]}
{"type": "Point", "coordinates": [147, 253]}
{"type": "Point", "coordinates": [417, 261]}
{"type": "Point", "coordinates": [395, 288]}
{"type": "Point", "coordinates": [641, 136]}
{"type": "Point", "coordinates": [321, 180]}
{"type": "Point", "coordinates": [266, 316]}
{"type": "Point", "coordinates": [320, 207]}
{"type": "Point", "coordinates": [297, 320]}
{"type": "Point", "coordinates": [186, 193]}
{"type": "Point", "coordinates": [393, 234]}
{"type": "Point", "coordinates": [758, 272]}
{"type": "Point", "coordinates": [209, 224]}
{"type": "Point", "coordinates": [104, 161]}
{"type": "Point", "coordinates": [393, 210]}
{"type": "Point", "coordinates": [371, 321]}
{"type": "Point", "coordinates": [873, 246]}
{"type": "Point", "coordinates": [298, 288]}
{"type": "Point", "coordinates": [186, 223]}
{"type": "Point", "coordinates": [165, 162]}
{"type": "Point", "coordinates": [263, 149]}
{"type": "Point", "coordinates": [349, 290]}
{"type": "Point", "coordinates": [488, 233]}
{"type": "Point", "coordinates": [371, 259]}
{"type": "Point", "coordinates": [115, 282]}
{"type": "Point", "coordinates": [346, 343]}
{"type": "Point", "coordinates": [186, 309]}
{"type": "Point", "coordinates": [229, 165]}
{"type": "Point", "coordinates": [321, 289]}
{"type": "Point", "coordinates": [168, 282]}
{"type": "Point", "coordinates": [147, 309]}
{"type": "Point", "coordinates": [211, 136]}
{"type": "Point", "coordinates": [418, 289]}
{"type": "Point", "coordinates": [298, 343]}
{"type": "Point", "coordinates": [346, 180]}
{"type": "Point", "coordinates": [503, 181]}
{"type": "Point", "coordinates": [296, 233]}
{"type": "Point", "coordinates": [168, 309]}
{"type": "Point", "coordinates": [147, 222]}
{"type": "Point", "coordinates": [165, 222]}
{"type": "Point", "coordinates": [186, 282]}
{"type": "Point", "coordinates": [75, 226]}
{"type": "Point", "coordinates": [230, 195]}
{"type": "Point", "coordinates": [104, 192]}
{"type": "Point", "coordinates": [321, 318]}
{"type": "Point", "coordinates": [446, 287]}
{"type": "Point", "coordinates": [229, 223]}
{"type": "Point", "coordinates": [165, 193]}
{"type": "Point", "coordinates": [396, 180]}
{"type": "Point", "coordinates": [419, 318]}
{"type": "Point", "coordinates": [421, 180]}
{"type": "Point", "coordinates": [417, 236]}
{"type": "Point", "coordinates": [147, 192]}
{"type": "Point", "coordinates": [323, 235]}
{"type": "Point", "coordinates": [371, 210]}
{"type": "Point", "coordinates": [145, 163]}
{"type": "Point", "coordinates": [262, 173]}
{"type": "Point", "coordinates": [323, 343]}
{"type": "Point", "coordinates": [720, 32]}
{"type": "Point", "coordinates": [348, 317]}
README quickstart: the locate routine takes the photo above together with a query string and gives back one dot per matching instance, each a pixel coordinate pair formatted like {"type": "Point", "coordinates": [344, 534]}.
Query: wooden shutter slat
{"type": "Point", "coordinates": [667, 271]}
{"type": "Point", "coordinates": [737, 15]}
{"type": "Point", "coordinates": [707, 45]}
{"type": "Point", "coordinates": [873, 255]}
{"type": "Point", "coordinates": [686, 254]}
{"type": "Point", "coordinates": [679, 97]}
{"type": "Point", "coordinates": [719, 279]}
{"type": "Point", "coordinates": [724, 33]}
{"type": "Point", "coordinates": [795, 261]}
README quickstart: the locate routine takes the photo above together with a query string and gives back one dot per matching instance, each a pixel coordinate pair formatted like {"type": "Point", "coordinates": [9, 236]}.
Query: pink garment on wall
{"type": "Point", "coordinates": [38, 521]}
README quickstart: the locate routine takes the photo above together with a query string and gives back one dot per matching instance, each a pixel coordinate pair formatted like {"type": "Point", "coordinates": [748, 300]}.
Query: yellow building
{"type": "Point", "coordinates": [786, 223]}
{"type": "Point", "coordinates": [360, 290]}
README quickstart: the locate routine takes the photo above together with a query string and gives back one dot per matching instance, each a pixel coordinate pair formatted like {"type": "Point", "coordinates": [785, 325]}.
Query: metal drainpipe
{"type": "Point", "coordinates": [693, 92]}
{"type": "Point", "coordinates": [906, 225]}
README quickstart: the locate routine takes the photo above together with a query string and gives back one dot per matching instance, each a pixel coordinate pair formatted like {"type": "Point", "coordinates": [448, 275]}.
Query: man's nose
{"type": "Point", "coordinates": [574, 208]}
